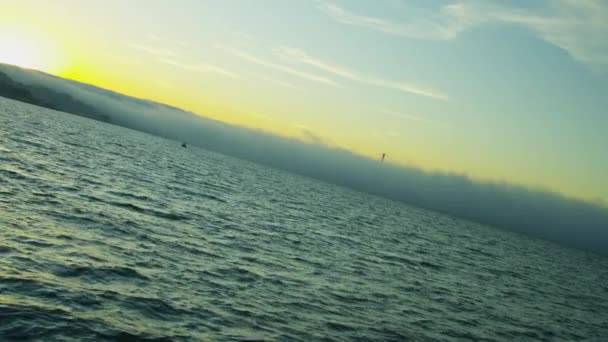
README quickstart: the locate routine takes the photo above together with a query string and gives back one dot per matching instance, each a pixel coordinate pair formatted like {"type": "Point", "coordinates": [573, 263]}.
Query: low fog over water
{"type": "Point", "coordinates": [538, 213]}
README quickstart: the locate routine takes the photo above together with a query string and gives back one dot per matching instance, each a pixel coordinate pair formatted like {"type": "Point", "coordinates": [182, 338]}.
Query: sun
{"type": "Point", "coordinates": [20, 53]}
{"type": "Point", "coordinates": [26, 50]}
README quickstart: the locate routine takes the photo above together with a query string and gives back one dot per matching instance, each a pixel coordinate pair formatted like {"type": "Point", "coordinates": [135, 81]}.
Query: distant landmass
{"type": "Point", "coordinates": [45, 90]}
{"type": "Point", "coordinates": [46, 97]}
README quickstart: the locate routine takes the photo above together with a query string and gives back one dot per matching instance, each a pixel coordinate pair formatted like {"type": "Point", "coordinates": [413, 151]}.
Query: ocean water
{"type": "Point", "coordinates": [108, 234]}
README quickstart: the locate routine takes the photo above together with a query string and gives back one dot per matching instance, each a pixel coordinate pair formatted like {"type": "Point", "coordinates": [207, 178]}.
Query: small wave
{"type": "Point", "coordinates": [349, 298]}
{"type": "Point", "coordinates": [194, 250]}
{"type": "Point", "coordinates": [398, 259]}
{"type": "Point", "coordinates": [43, 194]}
{"type": "Point", "coordinates": [130, 195]}
{"type": "Point", "coordinates": [431, 265]}
{"type": "Point", "coordinates": [43, 202]}
{"type": "Point", "coordinates": [87, 179]}
{"type": "Point", "coordinates": [6, 250]}
{"type": "Point", "coordinates": [29, 142]}
{"type": "Point", "coordinates": [80, 147]}
{"type": "Point", "coordinates": [154, 308]}
{"type": "Point", "coordinates": [15, 175]}
{"type": "Point", "coordinates": [46, 291]}
{"type": "Point", "coordinates": [140, 209]}
{"type": "Point", "coordinates": [33, 323]}
{"type": "Point", "coordinates": [33, 242]}
{"type": "Point", "coordinates": [6, 159]}
{"type": "Point", "coordinates": [67, 217]}
{"type": "Point", "coordinates": [238, 273]}
{"type": "Point", "coordinates": [98, 274]}
{"type": "Point", "coordinates": [196, 194]}
{"type": "Point", "coordinates": [211, 197]}
{"type": "Point", "coordinates": [339, 326]}
{"type": "Point", "coordinates": [59, 188]}
{"type": "Point", "coordinates": [24, 322]}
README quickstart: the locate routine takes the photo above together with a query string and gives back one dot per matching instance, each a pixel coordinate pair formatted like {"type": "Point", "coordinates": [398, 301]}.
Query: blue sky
{"type": "Point", "coordinates": [507, 91]}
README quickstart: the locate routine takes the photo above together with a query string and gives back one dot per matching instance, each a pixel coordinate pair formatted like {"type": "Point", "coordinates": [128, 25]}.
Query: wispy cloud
{"type": "Point", "coordinates": [295, 72]}
{"type": "Point", "coordinates": [276, 81]}
{"type": "Point", "coordinates": [580, 27]}
{"type": "Point", "coordinates": [451, 21]}
{"type": "Point", "coordinates": [161, 52]}
{"type": "Point", "coordinates": [184, 44]}
{"type": "Point", "coordinates": [297, 55]}
{"type": "Point", "coordinates": [202, 67]}
{"type": "Point", "coordinates": [168, 56]}
{"type": "Point", "coordinates": [405, 116]}
{"type": "Point", "coordinates": [243, 35]}
{"type": "Point", "coordinates": [153, 36]}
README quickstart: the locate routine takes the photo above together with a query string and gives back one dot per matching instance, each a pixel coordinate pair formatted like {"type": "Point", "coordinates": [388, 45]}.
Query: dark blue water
{"type": "Point", "coordinates": [107, 234]}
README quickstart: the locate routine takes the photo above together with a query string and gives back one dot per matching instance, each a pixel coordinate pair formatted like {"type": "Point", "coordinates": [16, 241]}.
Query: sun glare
{"type": "Point", "coordinates": [27, 51]}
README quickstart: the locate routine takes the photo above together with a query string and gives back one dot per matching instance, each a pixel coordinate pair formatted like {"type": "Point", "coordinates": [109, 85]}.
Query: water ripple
{"type": "Point", "coordinates": [108, 234]}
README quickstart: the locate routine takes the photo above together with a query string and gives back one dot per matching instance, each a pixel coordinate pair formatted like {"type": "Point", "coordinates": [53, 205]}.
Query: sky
{"type": "Point", "coordinates": [504, 91]}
